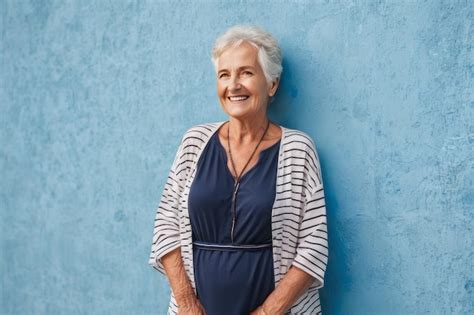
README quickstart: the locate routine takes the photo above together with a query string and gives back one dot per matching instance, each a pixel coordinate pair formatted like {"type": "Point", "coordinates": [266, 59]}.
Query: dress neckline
{"type": "Point", "coordinates": [225, 157]}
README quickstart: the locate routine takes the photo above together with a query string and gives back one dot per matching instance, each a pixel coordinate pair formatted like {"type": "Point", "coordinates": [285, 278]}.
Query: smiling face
{"type": "Point", "coordinates": [241, 84]}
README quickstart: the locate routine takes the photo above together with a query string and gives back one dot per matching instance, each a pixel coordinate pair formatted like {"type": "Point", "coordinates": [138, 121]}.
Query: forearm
{"type": "Point", "coordinates": [177, 277]}
{"type": "Point", "coordinates": [289, 289]}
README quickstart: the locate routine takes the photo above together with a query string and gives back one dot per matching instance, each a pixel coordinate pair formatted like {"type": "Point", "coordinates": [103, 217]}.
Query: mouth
{"type": "Point", "coordinates": [237, 98]}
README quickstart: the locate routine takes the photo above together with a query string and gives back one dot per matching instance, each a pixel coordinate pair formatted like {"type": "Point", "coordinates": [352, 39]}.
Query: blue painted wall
{"type": "Point", "coordinates": [95, 95]}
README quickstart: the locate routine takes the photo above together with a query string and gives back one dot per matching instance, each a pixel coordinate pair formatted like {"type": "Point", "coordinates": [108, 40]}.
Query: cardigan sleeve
{"type": "Point", "coordinates": [166, 231]}
{"type": "Point", "coordinates": [312, 246]}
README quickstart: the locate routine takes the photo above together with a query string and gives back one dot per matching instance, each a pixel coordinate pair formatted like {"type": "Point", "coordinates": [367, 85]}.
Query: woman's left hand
{"type": "Point", "coordinates": [258, 311]}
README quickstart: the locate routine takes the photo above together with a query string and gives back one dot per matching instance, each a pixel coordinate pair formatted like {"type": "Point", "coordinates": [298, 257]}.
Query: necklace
{"type": "Point", "coordinates": [237, 179]}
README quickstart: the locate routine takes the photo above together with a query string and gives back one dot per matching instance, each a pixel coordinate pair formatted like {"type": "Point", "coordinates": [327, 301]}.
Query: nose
{"type": "Point", "coordinates": [234, 83]}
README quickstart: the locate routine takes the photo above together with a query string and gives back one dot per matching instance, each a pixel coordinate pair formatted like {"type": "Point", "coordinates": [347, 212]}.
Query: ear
{"type": "Point", "coordinates": [273, 87]}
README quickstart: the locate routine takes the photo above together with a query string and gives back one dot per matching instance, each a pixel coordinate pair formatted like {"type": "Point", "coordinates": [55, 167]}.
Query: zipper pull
{"type": "Point", "coordinates": [236, 188]}
{"type": "Point", "coordinates": [234, 195]}
{"type": "Point", "coordinates": [232, 231]}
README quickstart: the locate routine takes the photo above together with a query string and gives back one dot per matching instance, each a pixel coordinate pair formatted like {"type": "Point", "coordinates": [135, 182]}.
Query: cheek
{"type": "Point", "coordinates": [262, 92]}
{"type": "Point", "coordinates": [220, 90]}
{"type": "Point", "coordinates": [259, 88]}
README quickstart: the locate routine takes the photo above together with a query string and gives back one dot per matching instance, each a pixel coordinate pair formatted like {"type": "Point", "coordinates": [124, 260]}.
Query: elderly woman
{"type": "Point", "coordinates": [241, 225]}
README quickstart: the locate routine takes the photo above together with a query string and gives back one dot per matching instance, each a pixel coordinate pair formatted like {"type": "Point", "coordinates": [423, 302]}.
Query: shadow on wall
{"type": "Point", "coordinates": [295, 94]}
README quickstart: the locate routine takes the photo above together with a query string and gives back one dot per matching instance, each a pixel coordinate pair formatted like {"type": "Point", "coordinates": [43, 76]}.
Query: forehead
{"type": "Point", "coordinates": [243, 55]}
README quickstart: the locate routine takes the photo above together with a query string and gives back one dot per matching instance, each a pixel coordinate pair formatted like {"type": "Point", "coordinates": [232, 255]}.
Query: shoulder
{"type": "Point", "coordinates": [204, 128]}
{"type": "Point", "coordinates": [199, 134]}
{"type": "Point", "coordinates": [201, 131]}
{"type": "Point", "coordinates": [301, 146]}
{"type": "Point", "coordinates": [192, 143]}
{"type": "Point", "coordinates": [295, 138]}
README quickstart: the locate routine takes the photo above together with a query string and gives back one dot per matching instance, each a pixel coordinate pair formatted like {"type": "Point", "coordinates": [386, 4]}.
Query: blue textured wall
{"type": "Point", "coordinates": [95, 96]}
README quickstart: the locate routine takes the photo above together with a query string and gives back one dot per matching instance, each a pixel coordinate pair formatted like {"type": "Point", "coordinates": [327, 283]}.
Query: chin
{"type": "Point", "coordinates": [238, 114]}
{"type": "Point", "coordinates": [239, 111]}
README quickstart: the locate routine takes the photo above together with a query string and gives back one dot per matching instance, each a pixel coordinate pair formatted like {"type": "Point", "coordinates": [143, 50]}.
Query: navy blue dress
{"type": "Point", "coordinates": [232, 278]}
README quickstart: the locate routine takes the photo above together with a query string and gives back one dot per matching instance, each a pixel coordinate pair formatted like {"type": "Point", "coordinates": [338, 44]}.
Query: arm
{"type": "Point", "coordinates": [290, 288]}
{"type": "Point", "coordinates": [309, 265]}
{"type": "Point", "coordinates": [312, 245]}
{"type": "Point", "coordinates": [180, 283]}
{"type": "Point", "coordinates": [166, 231]}
{"type": "Point", "coordinates": [166, 247]}
{"type": "Point", "coordinates": [310, 262]}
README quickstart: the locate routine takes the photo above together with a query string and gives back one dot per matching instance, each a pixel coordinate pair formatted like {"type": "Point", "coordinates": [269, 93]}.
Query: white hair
{"type": "Point", "coordinates": [269, 53]}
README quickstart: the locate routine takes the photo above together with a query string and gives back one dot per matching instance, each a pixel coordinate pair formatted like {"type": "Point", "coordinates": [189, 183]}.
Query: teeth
{"type": "Point", "coordinates": [238, 98]}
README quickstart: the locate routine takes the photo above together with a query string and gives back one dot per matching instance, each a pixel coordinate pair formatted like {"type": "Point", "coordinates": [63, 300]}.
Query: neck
{"type": "Point", "coordinates": [245, 131]}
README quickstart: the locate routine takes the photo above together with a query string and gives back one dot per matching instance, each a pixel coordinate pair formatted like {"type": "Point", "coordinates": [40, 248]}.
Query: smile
{"type": "Point", "coordinates": [238, 98]}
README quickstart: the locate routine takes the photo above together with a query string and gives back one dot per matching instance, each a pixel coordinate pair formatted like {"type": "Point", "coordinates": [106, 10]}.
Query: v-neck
{"type": "Point", "coordinates": [225, 157]}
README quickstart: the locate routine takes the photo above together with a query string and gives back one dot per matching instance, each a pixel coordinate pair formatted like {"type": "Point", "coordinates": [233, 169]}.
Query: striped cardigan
{"type": "Point", "coordinates": [299, 227]}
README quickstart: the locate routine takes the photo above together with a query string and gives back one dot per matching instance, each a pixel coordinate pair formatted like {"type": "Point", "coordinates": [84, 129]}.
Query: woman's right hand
{"type": "Point", "coordinates": [185, 296]}
{"type": "Point", "coordinates": [192, 307]}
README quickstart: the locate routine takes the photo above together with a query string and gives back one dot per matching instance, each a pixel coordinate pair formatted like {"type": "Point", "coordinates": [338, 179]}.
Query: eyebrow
{"type": "Point", "coordinates": [240, 68]}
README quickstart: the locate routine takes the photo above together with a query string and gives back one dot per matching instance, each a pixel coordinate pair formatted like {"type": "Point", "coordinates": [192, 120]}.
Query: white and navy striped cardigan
{"type": "Point", "coordinates": [298, 217]}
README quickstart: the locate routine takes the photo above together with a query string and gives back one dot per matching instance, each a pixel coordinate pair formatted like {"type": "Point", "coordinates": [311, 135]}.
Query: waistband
{"type": "Point", "coordinates": [214, 246]}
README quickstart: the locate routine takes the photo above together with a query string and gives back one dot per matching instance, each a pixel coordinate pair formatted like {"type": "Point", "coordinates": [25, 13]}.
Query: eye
{"type": "Point", "coordinates": [223, 75]}
{"type": "Point", "coordinates": [247, 73]}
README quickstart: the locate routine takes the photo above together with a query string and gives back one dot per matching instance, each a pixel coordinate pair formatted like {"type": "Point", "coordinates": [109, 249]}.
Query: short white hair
{"type": "Point", "coordinates": [269, 53]}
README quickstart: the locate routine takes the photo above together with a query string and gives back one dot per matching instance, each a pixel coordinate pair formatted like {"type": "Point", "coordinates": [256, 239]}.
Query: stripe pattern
{"type": "Point", "coordinates": [299, 226]}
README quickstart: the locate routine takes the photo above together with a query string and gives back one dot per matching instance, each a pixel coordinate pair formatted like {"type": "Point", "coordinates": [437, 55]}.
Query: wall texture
{"type": "Point", "coordinates": [95, 95]}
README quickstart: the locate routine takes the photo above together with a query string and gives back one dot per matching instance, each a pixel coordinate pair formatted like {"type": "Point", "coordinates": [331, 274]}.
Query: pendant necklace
{"type": "Point", "coordinates": [237, 179]}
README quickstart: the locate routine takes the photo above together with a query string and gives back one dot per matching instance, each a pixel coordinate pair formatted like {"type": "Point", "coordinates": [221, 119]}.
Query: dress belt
{"type": "Point", "coordinates": [214, 246]}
